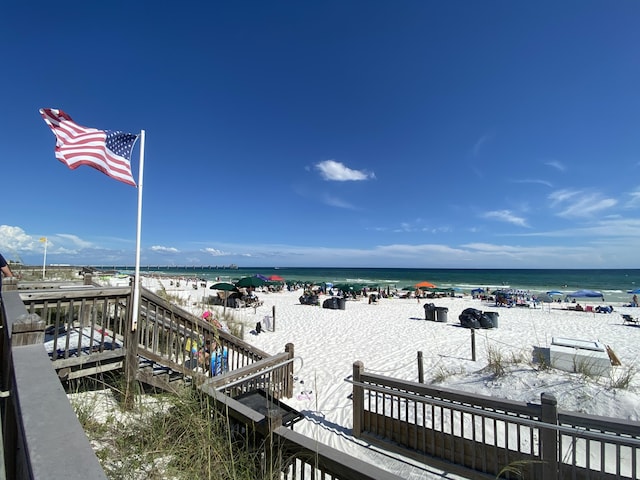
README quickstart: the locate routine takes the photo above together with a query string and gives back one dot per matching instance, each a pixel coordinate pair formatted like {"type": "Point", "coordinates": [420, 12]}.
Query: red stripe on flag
{"type": "Point", "coordinates": [77, 145]}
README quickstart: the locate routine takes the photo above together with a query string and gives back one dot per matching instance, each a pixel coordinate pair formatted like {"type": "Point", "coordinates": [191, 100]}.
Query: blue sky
{"type": "Point", "coordinates": [455, 134]}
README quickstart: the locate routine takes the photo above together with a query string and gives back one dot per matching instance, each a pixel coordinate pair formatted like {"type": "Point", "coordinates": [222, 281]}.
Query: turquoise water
{"type": "Point", "coordinates": [614, 284]}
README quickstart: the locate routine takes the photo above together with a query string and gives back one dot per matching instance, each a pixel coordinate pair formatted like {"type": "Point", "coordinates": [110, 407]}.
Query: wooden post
{"type": "Point", "coordinates": [420, 368]}
{"type": "Point", "coordinates": [273, 319]}
{"type": "Point", "coordinates": [358, 398]}
{"type": "Point", "coordinates": [289, 376]}
{"type": "Point", "coordinates": [473, 344]}
{"type": "Point", "coordinates": [28, 329]}
{"type": "Point", "coordinates": [88, 279]}
{"type": "Point", "coordinates": [10, 283]}
{"type": "Point", "coordinates": [549, 436]}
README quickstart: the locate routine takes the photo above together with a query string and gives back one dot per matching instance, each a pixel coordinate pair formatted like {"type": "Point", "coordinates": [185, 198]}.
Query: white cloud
{"type": "Point", "coordinates": [215, 252]}
{"type": "Point", "coordinates": [75, 240]}
{"type": "Point", "coordinates": [15, 238]}
{"type": "Point", "coordinates": [336, 202]}
{"type": "Point", "coordinates": [336, 171]}
{"type": "Point", "coordinates": [557, 165]}
{"type": "Point", "coordinates": [478, 146]}
{"type": "Point", "coordinates": [506, 216]}
{"type": "Point", "coordinates": [623, 228]}
{"type": "Point", "coordinates": [161, 249]}
{"type": "Point", "coordinates": [576, 203]}
{"type": "Point", "coordinates": [635, 198]}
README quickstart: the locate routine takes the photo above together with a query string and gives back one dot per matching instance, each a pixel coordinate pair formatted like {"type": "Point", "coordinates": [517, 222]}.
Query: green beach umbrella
{"type": "Point", "coordinates": [226, 288]}
{"type": "Point", "coordinates": [250, 282]}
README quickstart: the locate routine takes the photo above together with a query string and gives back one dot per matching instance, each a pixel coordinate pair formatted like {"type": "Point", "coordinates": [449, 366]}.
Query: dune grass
{"type": "Point", "coordinates": [179, 436]}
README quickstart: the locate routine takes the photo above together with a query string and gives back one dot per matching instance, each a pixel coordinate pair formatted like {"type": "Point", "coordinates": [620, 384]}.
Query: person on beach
{"type": "Point", "coordinates": [634, 300]}
{"type": "Point", "coordinates": [6, 271]}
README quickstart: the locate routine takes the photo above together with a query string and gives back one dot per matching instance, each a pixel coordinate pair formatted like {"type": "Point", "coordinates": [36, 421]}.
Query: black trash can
{"type": "Point", "coordinates": [334, 303]}
{"type": "Point", "coordinates": [430, 312]}
{"type": "Point", "coordinates": [441, 314]}
{"type": "Point", "coordinates": [494, 318]}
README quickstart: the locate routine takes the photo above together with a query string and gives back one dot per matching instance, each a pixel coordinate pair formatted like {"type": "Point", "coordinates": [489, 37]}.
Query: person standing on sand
{"type": "Point", "coordinates": [634, 300]}
{"type": "Point", "coordinates": [6, 271]}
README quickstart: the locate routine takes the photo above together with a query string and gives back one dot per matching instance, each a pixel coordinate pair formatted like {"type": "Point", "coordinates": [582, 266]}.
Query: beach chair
{"type": "Point", "coordinates": [629, 320]}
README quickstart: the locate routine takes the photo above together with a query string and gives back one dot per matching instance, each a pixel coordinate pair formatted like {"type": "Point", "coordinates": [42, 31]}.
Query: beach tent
{"type": "Point", "coordinates": [585, 294]}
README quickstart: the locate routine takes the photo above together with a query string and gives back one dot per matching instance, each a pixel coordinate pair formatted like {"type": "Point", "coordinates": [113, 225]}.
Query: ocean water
{"type": "Point", "coordinates": [613, 284]}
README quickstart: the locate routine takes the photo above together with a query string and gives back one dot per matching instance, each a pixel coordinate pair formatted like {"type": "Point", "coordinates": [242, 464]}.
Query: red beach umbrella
{"type": "Point", "coordinates": [425, 285]}
{"type": "Point", "coordinates": [276, 278]}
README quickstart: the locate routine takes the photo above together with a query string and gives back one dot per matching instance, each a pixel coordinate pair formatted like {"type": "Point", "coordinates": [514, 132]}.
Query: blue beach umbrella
{"type": "Point", "coordinates": [635, 292]}
{"type": "Point", "coordinates": [554, 292]}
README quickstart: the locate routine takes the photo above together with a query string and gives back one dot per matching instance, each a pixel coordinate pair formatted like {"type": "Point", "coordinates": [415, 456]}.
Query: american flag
{"type": "Point", "coordinates": [105, 150]}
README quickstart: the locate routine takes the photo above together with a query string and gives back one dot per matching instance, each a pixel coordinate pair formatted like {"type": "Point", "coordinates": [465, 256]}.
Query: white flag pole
{"type": "Point", "coordinates": [136, 278]}
{"type": "Point", "coordinates": [44, 261]}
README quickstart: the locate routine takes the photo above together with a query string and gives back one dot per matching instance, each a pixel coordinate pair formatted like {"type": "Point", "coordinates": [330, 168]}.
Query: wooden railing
{"type": "Point", "coordinates": [88, 332]}
{"type": "Point", "coordinates": [474, 435]}
{"type": "Point", "coordinates": [79, 330]}
{"type": "Point", "coordinates": [37, 417]}
{"type": "Point", "coordinates": [292, 455]}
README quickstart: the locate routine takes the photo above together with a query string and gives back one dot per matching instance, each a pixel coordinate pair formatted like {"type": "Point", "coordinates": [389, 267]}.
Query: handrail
{"type": "Point", "coordinates": [505, 417]}
{"type": "Point", "coordinates": [32, 434]}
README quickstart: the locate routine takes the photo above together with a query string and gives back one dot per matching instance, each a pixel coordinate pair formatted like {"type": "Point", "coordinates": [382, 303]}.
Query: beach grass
{"type": "Point", "coordinates": [178, 436]}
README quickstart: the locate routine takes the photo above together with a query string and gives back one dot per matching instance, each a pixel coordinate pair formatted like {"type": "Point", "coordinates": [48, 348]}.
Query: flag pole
{"type": "Point", "coordinates": [44, 261]}
{"type": "Point", "coordinates": [136, 278]}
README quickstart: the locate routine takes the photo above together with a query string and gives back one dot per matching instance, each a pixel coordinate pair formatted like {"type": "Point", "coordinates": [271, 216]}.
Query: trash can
{"type": "Point", "coordinates": [494, 318]}
{"type": "Point", "coordinates": [342, 303]}
{"type": "Point", "coordinates": [331, 303]}
{"type": "Point", "coordinates": [430, 312]}
{"type": "Point", "coordinates": [441, 314]}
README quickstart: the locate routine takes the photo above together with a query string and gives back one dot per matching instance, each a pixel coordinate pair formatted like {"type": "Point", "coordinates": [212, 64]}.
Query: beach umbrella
{"type": "Point", "coordinates": [554, 292]}
{"type": "Point", "coordinates": [226, 288]}
{"type": "Point", "coordinates": [275, 278]}
{"type": "Point", "coordinates": [635, 292]}
{"type": "Point", "coordinates": [544, 297]}
{"type": "Point", "coordinates": [250, 282]}
{"type": "Point", "coordinates": [262, 277]}
{"type": "Point", "coordinates": [348, 287]}
{"type": "Point", "coordinates": [425, 284]}
{"type": "Point", "coordinates": [586, 294]}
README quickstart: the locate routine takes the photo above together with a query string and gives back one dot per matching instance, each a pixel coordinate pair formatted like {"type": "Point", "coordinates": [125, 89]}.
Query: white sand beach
{"type": "Point", "coordinates": [386, 337]}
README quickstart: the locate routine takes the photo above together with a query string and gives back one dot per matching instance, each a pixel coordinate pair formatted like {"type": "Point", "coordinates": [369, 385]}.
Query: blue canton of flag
{"type": "Point", "coordinates": [120, 143]}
